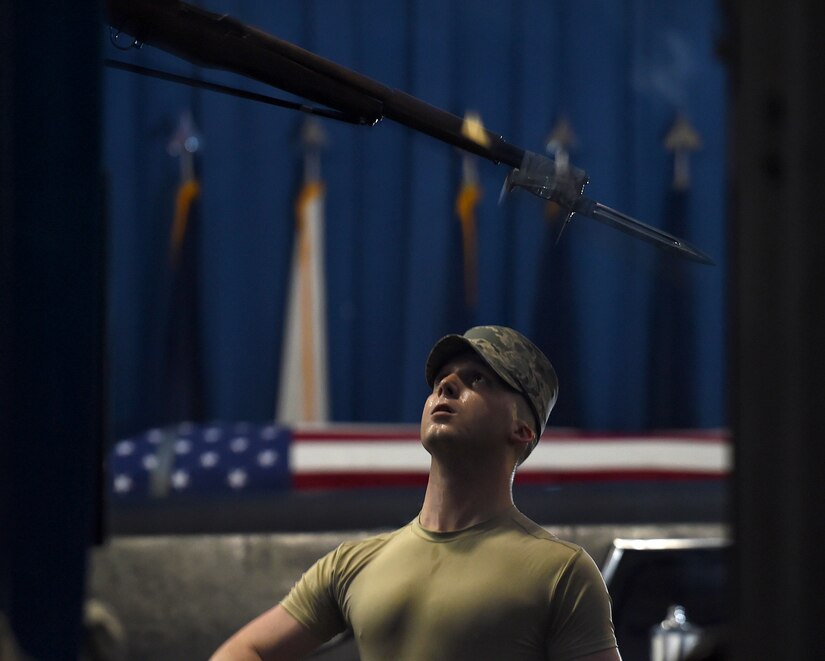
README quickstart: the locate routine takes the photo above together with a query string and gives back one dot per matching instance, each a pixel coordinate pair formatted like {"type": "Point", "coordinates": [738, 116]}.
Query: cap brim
{"type": "Point", "coordinates": [450, 346]}
{"type": "Point", "coordinates": [447, 347]}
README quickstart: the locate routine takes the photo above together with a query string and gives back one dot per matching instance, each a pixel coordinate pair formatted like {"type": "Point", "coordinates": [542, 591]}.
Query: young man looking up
{"type": "Point", "coordinates": [471, 577]}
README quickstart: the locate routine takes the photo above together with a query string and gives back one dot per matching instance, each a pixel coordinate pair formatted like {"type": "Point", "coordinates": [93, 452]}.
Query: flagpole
{"type": "Point", "coordinates": [181, 392]}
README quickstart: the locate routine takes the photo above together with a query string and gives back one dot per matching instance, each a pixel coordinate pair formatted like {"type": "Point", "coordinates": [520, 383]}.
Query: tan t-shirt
{"type": "Point", "coordinates": [503, 589]}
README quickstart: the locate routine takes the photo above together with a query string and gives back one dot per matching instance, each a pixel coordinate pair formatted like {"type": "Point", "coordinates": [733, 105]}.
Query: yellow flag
{"type": "Point", "coordinates": [465, 207]}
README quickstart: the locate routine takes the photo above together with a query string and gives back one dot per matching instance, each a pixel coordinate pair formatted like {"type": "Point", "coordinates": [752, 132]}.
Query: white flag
{"type": "Point", "coordinates": [303, 392]}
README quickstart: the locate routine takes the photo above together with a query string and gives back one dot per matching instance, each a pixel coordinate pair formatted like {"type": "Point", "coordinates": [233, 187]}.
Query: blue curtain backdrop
{"type": "Point", "coordinates": [637, 335]}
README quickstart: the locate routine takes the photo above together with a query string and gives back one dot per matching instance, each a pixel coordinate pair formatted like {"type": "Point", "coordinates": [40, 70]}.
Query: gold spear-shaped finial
{"type": "Point", "coordinates": [473, 129]}
{"type": "Point", "coordinates": [313, 140]}
{"type": "Point", "coordinates": [560, 142]}
{"type": "Point", "coordinates": [682, 139]}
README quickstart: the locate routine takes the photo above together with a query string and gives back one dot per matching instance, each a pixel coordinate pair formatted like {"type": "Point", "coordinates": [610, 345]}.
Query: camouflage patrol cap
{"type": "Point", "coordinates": [519, 362]}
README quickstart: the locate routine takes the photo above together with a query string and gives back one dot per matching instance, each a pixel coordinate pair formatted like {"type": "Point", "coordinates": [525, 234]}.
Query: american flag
{"type": "Point", "coordinates": [245, 458]}
{"type": "Point", "coordinates": [195, 460]}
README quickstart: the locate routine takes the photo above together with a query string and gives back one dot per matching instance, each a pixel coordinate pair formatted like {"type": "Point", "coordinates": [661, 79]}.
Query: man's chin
{"type": "Point", "coordinates": [434, 432]}
{"type": "Point", "coordinates": [436, 436]}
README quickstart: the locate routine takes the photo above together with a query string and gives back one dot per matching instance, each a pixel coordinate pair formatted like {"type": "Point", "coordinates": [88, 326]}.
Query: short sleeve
{"type": "Point", "coordinates": [581, 621]}
{"type": "Point", "coordinates": [312, 600]}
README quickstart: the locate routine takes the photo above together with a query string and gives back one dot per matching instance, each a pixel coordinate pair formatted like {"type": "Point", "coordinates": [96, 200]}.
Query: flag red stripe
{"type": "Point", "coordinates": [367, 436]}
{"type": "Point", "coordinates": [358, 480]}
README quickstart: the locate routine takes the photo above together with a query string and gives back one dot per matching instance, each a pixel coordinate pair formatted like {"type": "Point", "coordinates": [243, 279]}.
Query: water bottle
{"type": "Point", "coordinates": [674, 637]}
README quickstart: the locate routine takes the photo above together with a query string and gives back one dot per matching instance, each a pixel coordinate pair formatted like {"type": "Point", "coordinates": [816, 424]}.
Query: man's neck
{"type": "Point", "coordinates": [455, 501]}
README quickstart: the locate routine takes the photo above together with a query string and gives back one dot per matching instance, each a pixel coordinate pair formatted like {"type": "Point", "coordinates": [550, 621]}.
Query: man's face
{"type": "Point", "coordinates": [469, 407]}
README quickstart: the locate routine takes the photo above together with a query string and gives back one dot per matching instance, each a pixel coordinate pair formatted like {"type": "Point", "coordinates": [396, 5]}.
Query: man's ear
{"type": "Point", "coordinates": [522, 432]}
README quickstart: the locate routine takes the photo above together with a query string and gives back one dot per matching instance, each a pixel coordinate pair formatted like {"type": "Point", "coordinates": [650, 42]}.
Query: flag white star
{"type": "Point", "coordinates": [179, 479]}
{"type": "Point", "coordinates": [268, 433]}
{"type": "Point", "coordinates": [123, 483]}
{"type": "Point", "coordinates": [267, 458]}
{"type": "Point", "coordinates": [236, 478]}
{"type": "Point", "coordinates": [125, 448]}
{"type": "Point", "coordinates": [212, 435]}
{"type": "Point", "coordinates": [183, 446]}
{"type": "Point", "coordinates": [154, 436]}
{"type": "Point", "coordinates": [239, 444]}
{"type": "Point", "coordinates": [209, 459]}
{"type": "Point", "coordinates": [150, 462]}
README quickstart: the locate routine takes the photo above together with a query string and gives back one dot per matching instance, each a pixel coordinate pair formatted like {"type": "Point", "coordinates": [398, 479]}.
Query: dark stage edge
{"type": "Point", "coordinates": [701, 501]}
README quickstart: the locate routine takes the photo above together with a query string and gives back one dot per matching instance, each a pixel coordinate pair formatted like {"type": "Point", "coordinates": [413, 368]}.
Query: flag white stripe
{"type": "Point", "coordinates": [591, 455]}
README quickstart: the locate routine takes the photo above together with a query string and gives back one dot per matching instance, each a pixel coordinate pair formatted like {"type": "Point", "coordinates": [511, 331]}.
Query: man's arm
{"type": "Point", "coordinates": [273, 636]}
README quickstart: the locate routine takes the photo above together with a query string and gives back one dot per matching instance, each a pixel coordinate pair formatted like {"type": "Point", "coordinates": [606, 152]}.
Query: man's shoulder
{"type": "Point", "coordinates": [361, 549]}
{"type": "Point", "coordinates": [533, 533]}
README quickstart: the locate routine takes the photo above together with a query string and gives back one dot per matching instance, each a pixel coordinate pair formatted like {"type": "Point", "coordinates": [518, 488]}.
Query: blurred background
{"type": "Point", "coordinates": [217, 311]}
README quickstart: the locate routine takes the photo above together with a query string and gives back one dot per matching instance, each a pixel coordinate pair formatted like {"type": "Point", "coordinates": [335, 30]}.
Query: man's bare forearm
{"type": "Point", "coordinates": [233, 651]}
{"type": "Point", "coordinates": [273, 636]}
